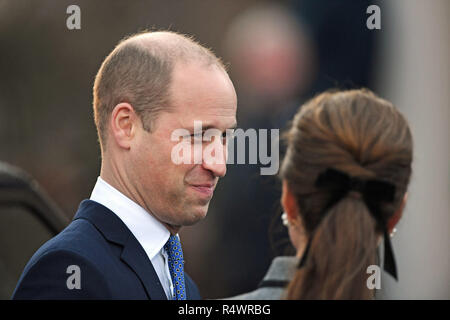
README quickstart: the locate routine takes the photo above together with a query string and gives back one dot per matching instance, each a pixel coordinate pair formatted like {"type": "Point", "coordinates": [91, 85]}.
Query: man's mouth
{"type": "Point", "coordinates": [206, 189]}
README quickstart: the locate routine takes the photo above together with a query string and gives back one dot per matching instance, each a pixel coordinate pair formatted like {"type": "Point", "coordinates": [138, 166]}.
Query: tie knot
{"type": "Point", "coordinates": [173, 248]}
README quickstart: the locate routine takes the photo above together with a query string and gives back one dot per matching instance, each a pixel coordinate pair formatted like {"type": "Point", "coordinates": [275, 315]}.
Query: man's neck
{"type": "Point", "coordinates": [116, 182]}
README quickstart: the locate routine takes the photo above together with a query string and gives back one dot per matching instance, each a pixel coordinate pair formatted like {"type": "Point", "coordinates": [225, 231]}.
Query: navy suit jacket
{"type": "Point", "coordinates": [112, 263]}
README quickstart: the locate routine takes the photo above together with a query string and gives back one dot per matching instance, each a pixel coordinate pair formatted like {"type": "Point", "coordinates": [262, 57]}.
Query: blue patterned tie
{"type": "Point", "coordinates": [176, 262]}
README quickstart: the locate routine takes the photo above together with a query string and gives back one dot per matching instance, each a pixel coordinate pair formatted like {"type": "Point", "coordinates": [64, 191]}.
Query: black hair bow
{"type": "Point", "coordinates": [373, 192]}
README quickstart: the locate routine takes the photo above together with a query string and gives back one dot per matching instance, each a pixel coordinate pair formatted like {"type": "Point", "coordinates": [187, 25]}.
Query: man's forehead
{"type": "Point", "coordinates": [208, 122]}
{"type": "Point", "coordinates": [212, 104]}
{"type": "Point", "coordinates": [210, 116]}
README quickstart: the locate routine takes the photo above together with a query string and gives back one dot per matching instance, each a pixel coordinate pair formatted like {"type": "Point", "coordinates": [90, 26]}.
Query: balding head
{"type": "Point", "coordinates": [139, 71]}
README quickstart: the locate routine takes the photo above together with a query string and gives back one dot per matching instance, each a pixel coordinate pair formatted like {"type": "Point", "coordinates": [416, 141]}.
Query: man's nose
{"type": "Point", "coordinates": [217, 165]}
{"type": "Point", "coordinates": [218, 169]}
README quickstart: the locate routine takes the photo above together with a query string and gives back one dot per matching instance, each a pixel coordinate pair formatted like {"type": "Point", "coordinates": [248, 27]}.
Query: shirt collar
{"type": "Point", "coordinates": [149, 232]}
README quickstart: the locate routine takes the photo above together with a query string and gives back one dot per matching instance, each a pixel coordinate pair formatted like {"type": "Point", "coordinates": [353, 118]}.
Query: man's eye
{"type": "Point", "coordinates": [229, 136]}
{"type": "Point", "coordinates": [197, 135]}
{"type": "Point", "coordinates": [225, 137]}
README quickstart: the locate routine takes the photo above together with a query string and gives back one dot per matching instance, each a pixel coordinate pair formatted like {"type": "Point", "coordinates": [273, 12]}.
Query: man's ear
{"type": "Point", "coordinates": [289, 203]}
{"type": "Point", "coordinates": [392, 221]}
{"type": "Point", "coordinates": [123, 124]}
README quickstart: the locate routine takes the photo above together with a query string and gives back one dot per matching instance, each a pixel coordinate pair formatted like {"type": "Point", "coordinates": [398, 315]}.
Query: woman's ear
{"type": "Point", "coordinates": [289, 202]}
{"type": "Point", "coordinates": [392, 221]}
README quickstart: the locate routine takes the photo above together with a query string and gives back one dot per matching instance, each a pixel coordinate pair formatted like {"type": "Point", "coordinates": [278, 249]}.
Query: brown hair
{"type": "Point", "coordinates": [362, 135]}
{"type": "Point", "coordinates": [138, 71]}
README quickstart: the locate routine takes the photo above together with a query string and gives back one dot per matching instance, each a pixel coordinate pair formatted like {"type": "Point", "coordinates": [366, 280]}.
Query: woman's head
{"type": "Point", "coordinates": [364, 136]}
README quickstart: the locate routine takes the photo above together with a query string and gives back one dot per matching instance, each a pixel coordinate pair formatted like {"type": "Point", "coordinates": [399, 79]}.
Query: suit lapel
{"type": "Point", "coordinates": [114, 230]}
{"type": "Point", "coordinates": [135, 257]}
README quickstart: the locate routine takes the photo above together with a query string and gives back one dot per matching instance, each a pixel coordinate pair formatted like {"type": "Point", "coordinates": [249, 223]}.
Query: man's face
{"type": "Point", "coordinates": [179, 194]}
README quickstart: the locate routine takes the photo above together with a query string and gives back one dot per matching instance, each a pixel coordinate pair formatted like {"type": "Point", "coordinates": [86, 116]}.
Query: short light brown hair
{"type": "Point", "coordinates": [138, 71]}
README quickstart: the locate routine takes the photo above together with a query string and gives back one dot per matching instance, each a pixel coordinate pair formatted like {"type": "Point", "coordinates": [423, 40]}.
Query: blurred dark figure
{"type": "Point", "coordinates": [28, 218]}
{"type": "Point", "coordinates": [344, 47]}
{"type": "Point", "coordinates": [278, 60]}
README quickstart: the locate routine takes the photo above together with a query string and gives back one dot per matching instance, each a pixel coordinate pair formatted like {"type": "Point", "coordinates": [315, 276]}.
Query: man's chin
{"type": "Point", "coordinates": [196, 215]}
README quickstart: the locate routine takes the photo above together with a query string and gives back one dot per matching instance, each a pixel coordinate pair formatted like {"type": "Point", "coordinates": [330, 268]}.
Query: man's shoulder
{"type": "Point", "coordinates": [79, 245]}
{"type": "Point", "coordinates": [79, 238]}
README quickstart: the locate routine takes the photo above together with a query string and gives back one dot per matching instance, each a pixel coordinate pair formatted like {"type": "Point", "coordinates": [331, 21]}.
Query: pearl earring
{"type": "Point", "coordinates": [285, 220]}
{"type": "Point", "coordinates": [393, 232]}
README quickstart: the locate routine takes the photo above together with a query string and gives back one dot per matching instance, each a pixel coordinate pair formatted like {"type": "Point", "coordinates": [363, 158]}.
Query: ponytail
{"type": "Point", "coordinates": [341, 248]}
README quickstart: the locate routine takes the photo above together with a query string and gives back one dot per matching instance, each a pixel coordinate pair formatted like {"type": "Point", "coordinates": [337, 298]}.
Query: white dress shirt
{"type": "Point", "coordinates": [149, 232]}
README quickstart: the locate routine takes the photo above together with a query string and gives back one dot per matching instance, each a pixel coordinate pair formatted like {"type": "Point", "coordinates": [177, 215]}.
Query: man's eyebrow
{"type": "Point", "coordinates": [234, 126]}
{"type": "Point", "coordinates": [204, 128]}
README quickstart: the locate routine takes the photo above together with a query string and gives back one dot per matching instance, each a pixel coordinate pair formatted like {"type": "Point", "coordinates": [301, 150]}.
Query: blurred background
{"type": "Point", "coordinates": [279, 54]}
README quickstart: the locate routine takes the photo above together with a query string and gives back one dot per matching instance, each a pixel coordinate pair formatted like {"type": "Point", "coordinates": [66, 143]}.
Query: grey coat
{"type": "Point", "coordinates": [281, 271]}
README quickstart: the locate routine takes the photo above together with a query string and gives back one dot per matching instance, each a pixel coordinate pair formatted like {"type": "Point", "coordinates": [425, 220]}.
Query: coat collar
{"type": "Point", "coordinates": [282, 268]}
{"type": "Point", "coordinates": [114, 230]}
